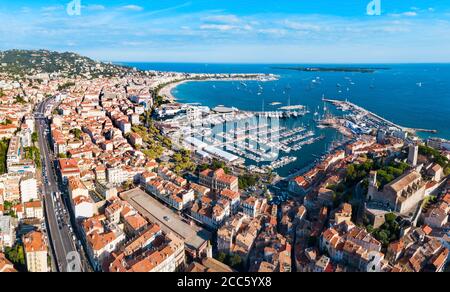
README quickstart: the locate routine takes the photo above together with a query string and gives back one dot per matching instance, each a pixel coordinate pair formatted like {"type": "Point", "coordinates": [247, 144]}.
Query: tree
{"type": "Point", "coordinates": [33, 153]}
{"type": "Point", "coordinates": [221, 257]}
{"type": "Point", "coordinates": [389, 231]}
{"type": "Point", "coordinates": [247, 180]}
{"type": "Point", "coordinates": [65, 86]}
{"type": "Point", "coordinates": [390, 217]}
{"type": "Point", "coordinates": [435, 156]}
{"type": "Point", "coordinates": [3, 151]}
{"type": "Point", "coordinates": [19, 99]}
{"type": "Point", "coordinates": [127, 185]}
{"type": "Point", "coordinates": [77, 133]}
{"type": "Point", "coordinates": [16, 255]}
{"type": "Point", "coordinates": [34, 137]}
{"type": "Point", "coordinates": [182, 161]}
{"type": "Point", "coordinates": [235, 261]}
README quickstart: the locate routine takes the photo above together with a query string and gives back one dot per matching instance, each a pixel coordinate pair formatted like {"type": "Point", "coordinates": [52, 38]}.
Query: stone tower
{"type": "Point", "coordinates": [373, 186]}
{"type": "Point", "coordinates": [413, 154]}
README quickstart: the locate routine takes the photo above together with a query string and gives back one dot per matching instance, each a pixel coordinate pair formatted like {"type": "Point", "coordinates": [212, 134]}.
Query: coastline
{"type": "Point", "coordinates": [166, 91]}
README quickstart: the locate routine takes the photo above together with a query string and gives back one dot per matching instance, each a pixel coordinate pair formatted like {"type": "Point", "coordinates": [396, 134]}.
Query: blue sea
{"type": "Point", "coordinates": [411, 95]}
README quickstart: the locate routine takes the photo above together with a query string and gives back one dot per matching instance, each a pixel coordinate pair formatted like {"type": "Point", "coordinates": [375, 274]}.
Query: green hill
{"type": "Point", "coordinates": [67, 64]}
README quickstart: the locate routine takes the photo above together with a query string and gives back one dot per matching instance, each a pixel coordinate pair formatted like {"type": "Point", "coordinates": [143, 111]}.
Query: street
{"type": "Point", "coordinates": [61, 236]}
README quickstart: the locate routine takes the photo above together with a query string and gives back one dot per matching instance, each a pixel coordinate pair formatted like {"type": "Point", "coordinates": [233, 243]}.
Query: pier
{"type": "Point", "coordinates": [361, 110]}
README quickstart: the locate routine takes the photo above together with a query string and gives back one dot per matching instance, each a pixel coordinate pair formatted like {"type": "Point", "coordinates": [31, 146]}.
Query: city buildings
{"type": "Point", "coordinates": [35, 252]}
{"type": "Point", "coordinates": [69, 168]}
{"type": "Point", "coordinates": [5, 265]}
{"type": "Point", "coordinates": [217, 180]}
{"type": "Point", "coordinates": [140, 210]}
{"type": "Point", "coordinates": [401, 195]}
{"type": "Point", "coordinates": [28, 189]}
{"type": "Point", "coordinates": [165, 256]}
{"type": "Point", "coordinates": [7, 232]}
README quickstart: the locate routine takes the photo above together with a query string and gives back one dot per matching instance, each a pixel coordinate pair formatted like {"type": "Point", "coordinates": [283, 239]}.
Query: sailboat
{"type": "Point", "coordinates": [316, 113]}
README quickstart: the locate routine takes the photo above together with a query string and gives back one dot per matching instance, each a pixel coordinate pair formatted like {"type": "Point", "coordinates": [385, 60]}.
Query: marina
{"type": "Point", "coordinates": [244, 137]}
{"type": "Point", "coordinates": [303, 93]}
{"type": "Point", "coordinates": [282, 162]}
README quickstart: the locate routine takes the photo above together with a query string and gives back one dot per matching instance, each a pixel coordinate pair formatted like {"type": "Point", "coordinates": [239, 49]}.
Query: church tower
{"type": "Point", "coordinates": [413, 154]}
{"type": "Point", "coordinates": [373, 186]}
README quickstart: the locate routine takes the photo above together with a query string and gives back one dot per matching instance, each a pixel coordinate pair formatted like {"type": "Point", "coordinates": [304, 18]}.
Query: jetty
{"type": "Point", "coordinates": [362, 111]}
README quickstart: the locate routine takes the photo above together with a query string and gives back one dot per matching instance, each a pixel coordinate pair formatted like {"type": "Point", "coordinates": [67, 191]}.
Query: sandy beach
{"type": "Point", "coordinates": [166, 91]}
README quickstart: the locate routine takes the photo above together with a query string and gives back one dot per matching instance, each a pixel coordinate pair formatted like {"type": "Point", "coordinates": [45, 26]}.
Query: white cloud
{"type": "Point", "coordinates": [52, 8]}
{"type": "Point", "coordinates": [410, 13]}
{"type": "Point", "coordinates": [407, 13]}
{"type": "Point", "coordinates": [294, 25]}
{"type": "Point", "coordinates": [273, 31]}
{"type": "Point", "coordinates": [220, 27]}
{"type": "Point", "coordinates": [132, 7]}
{"type": "Point", "coordinates": [123, 32]}
{"type": "Point", "coordinates": [222, 19]}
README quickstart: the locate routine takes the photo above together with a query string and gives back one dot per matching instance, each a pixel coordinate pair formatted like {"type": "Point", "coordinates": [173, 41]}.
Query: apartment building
{"type": "Point", "coordinates": [218, 180]}
{"type": "Point", "coordinates": [35, 252]}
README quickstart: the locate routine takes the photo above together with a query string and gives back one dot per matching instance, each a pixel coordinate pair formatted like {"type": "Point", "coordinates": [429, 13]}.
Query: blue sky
{"type": "Point", "coordinates": [250, 31]}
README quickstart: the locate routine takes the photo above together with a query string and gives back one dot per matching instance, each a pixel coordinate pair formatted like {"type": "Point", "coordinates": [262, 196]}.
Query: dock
{"type": "Point", "coordinates": [375, 116]}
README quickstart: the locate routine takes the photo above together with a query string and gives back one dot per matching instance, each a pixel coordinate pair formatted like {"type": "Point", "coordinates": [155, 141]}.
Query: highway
{"type": "Point", "coordinates": [59, 228]}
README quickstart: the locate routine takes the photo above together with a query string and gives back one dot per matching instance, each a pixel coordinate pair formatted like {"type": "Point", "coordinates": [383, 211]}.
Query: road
{"type": "Point", "coordinates": [57, 216]}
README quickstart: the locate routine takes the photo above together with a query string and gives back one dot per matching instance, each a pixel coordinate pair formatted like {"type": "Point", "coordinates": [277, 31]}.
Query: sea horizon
{"type": "Point", "coordinates": [128, 63]}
